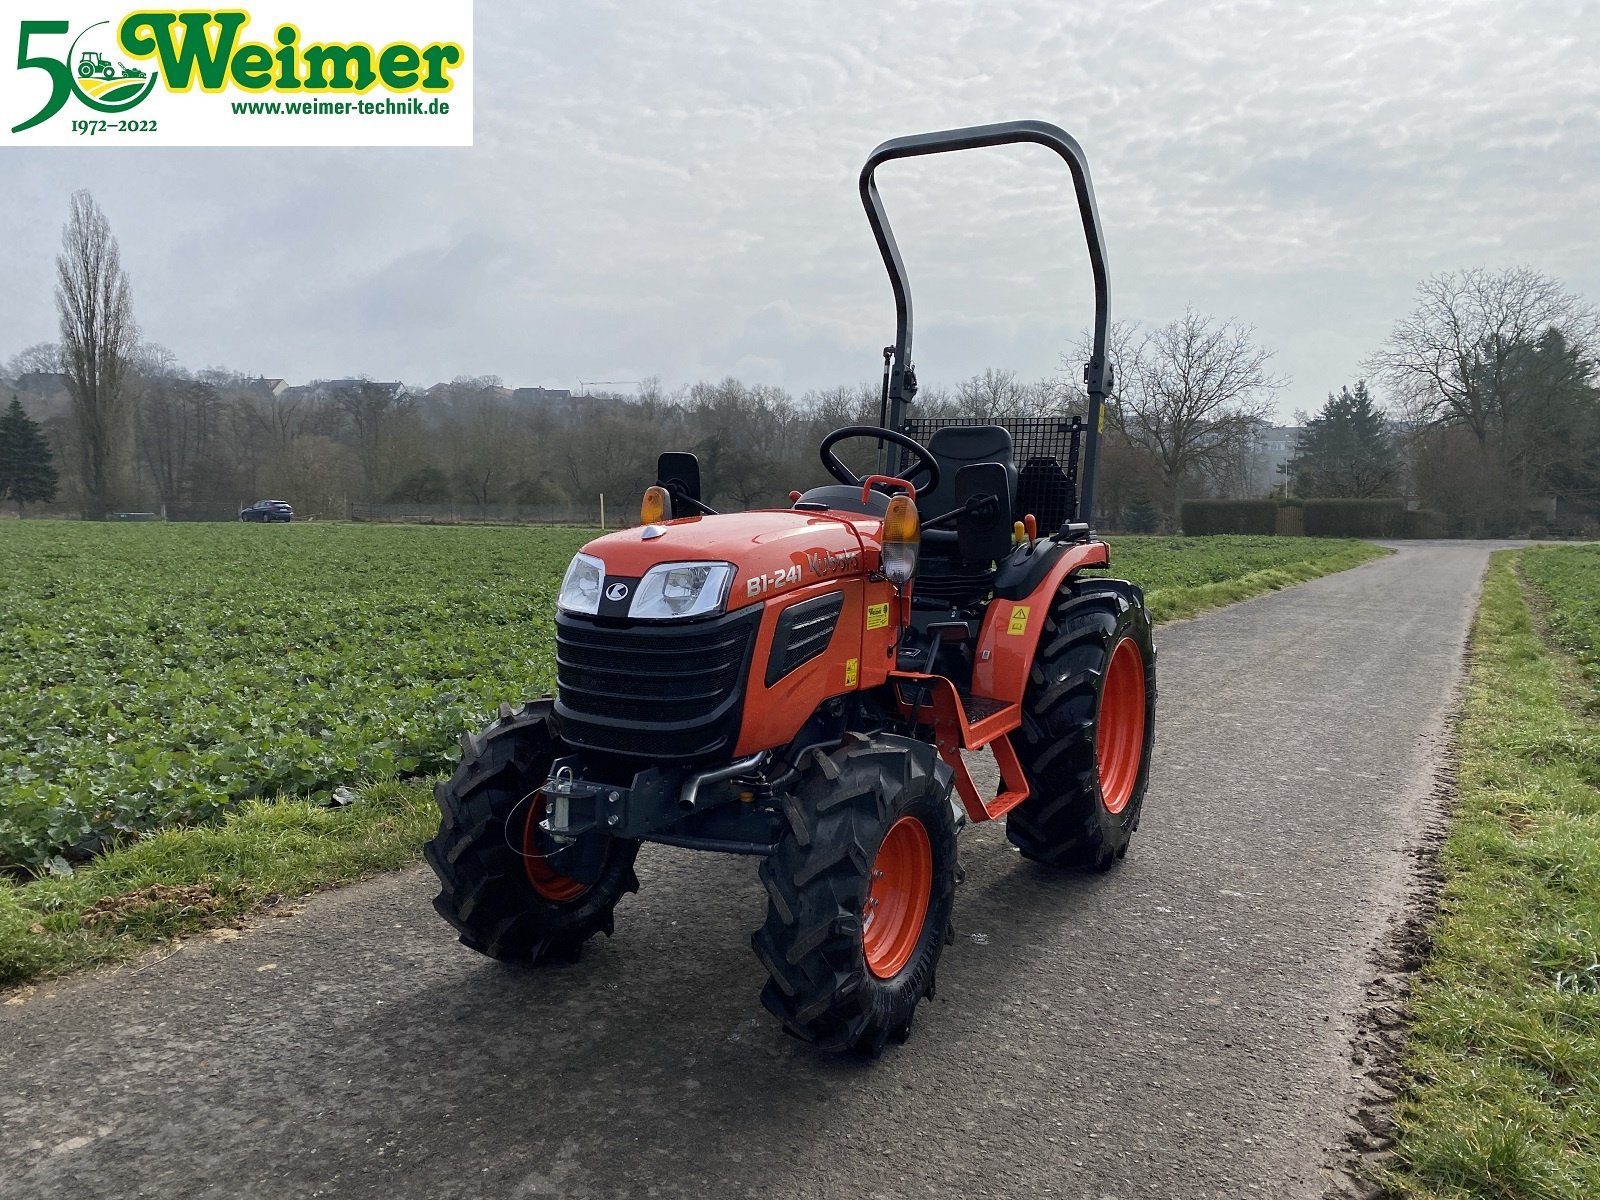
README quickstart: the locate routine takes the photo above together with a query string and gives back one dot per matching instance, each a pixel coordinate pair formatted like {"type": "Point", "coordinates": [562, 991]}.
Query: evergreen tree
{"type": "Point", "coordinates": [1549, 410]}
{"type": "Point", "coordinates": [1347, 449]}
{"type": "Point", "coordinates": [27, 472]}
{"type": "Point", "coordinates": [1141, 516]}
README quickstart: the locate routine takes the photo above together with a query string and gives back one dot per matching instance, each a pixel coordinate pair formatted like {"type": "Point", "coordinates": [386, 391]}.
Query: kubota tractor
{"type": "Point", "coordinates": [801, 684]}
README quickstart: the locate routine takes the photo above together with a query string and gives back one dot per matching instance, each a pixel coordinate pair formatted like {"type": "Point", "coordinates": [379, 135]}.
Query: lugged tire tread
{"type": "Point", "coordinates": [1063, 823]}
{"type": "Point", "coordinates": [484, 891]}
{"type": "Point", "coordinates": [810, 944]}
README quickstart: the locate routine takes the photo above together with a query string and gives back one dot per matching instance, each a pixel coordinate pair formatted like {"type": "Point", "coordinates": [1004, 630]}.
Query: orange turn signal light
{"type": "Point", "coordinates": [900, 523]}
{"type": "Point", "coordinates": [656, 506]}
{"type": "Point", "coordinates": [902, 532]}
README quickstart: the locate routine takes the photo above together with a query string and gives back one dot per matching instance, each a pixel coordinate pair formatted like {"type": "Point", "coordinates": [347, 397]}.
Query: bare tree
{"type": "Point", "coordinates": [994, 394]}
{"type": "Point", "coordinates": [1459, 358]}
{"type": "Point", "coordinates": [997, 394]}
{"type": "Point", "coordinates": [1193, 393]}
{"type": "Point", "coordinates": [489, 449]}
{"type": "Point", "coordinates": [372, 409]}
{"type": "Point", "coordinates": [1508, 357]}
{"type": "Point", "coordinates": [39, 357]}
{"type": "Point", "coordinates": [177, 419]}
{"type": "Point", "coordinates": [98, 340]}
{"type": "Point", "coordinates": [279, 414]}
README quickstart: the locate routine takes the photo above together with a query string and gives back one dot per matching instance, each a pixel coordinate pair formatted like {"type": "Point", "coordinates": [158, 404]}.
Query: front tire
{"type": "Point", "coordinates": [859, 896]}
{"type": "Point", "coordinates": [499, 877]}
{"type": "Point", "coordinates": [1088, 726]}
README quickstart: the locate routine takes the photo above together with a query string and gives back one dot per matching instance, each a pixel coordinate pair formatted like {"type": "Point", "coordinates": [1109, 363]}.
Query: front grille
{"type": "Point", "coordinates": [652, 691]}
{"type": "Point", "coordinates": [804, 631]}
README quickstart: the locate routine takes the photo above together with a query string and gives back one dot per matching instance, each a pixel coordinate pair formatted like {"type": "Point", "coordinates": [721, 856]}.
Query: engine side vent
{"type": "Point", "coordinates": [804, 631]}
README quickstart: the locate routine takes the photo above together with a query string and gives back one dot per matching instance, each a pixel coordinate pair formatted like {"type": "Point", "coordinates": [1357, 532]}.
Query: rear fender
{"type": "Point", "coordinates": [1025, 588]}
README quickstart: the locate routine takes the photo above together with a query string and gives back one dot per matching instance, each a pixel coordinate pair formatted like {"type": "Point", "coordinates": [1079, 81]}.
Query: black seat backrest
{"type": "Point", "coordinates": [957, 446]}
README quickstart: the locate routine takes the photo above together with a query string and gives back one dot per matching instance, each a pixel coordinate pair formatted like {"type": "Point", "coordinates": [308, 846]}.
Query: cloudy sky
{"type": "Point", "coordinates": [668, 189]}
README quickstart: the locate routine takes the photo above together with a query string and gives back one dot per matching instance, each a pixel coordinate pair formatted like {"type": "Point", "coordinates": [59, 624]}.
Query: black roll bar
{"type": "Point", "coordinates": [903, 379]}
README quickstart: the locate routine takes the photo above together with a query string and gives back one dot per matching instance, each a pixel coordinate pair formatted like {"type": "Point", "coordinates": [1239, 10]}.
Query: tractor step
{"type": "Point", "coordinates": [963, 722]}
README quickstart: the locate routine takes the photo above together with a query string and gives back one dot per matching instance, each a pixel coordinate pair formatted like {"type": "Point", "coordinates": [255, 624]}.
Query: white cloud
{"type": "Point", "coordinates": [670, 189]}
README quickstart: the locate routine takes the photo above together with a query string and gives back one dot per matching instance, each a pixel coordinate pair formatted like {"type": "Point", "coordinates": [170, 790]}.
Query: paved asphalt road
{"type": "Point", "coordinates": [1177, 1028]}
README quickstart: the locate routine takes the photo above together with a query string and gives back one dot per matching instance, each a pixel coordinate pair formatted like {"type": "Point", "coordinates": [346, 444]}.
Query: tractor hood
{"type": "Point", "coordinates": [773, 552]}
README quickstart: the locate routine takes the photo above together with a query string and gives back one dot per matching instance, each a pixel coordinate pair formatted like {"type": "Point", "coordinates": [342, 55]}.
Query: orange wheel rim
{"type": "Point", "coordinates": [897, 898]}
{"type": "Point", "coordinates": [546, 880]}
{"type": "Point", "coordinates": [1119, 735]}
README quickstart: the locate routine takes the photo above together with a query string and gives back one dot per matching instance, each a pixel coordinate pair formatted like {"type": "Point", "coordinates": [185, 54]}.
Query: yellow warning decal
{"type": "Point", "coordinates": [1019, 619]}
{"type": "Point", "coordinates": [877, 615]}
{"type": "Point", "coordinates": [852, 671]}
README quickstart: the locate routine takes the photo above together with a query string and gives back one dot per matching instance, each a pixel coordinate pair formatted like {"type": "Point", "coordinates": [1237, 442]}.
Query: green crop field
{"type": "Point", "coordinates": [153, 675]}
{"type": "Point", "coordinates": [159, 675]}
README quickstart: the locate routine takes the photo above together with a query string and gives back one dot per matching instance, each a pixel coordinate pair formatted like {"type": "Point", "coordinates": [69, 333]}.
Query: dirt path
{"type": "Point", "coordinates": [1177, 1028]}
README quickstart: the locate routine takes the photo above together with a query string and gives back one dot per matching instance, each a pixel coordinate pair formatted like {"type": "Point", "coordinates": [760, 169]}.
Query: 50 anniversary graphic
{"type": "Point", "coordinates": [318, 74]}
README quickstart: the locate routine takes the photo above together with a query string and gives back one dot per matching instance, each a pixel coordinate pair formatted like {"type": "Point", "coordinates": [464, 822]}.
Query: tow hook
{"type": "Point", "coordinates": [573, 805]}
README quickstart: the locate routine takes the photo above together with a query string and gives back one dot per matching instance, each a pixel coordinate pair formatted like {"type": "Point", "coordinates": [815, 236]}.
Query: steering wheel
{"type": "Point", "coordinates": [926, 464]}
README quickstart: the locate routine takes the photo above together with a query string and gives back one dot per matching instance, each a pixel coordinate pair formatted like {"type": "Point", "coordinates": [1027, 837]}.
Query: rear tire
{"type": "Point", "coordinates": [497, 888]}
{"type": "Point", "coordinates": [859, 896]}
{"type": "Point", "coordinates": [1088, 725]}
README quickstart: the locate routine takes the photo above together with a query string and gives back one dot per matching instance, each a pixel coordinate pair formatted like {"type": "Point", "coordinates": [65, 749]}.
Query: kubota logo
{"type": "Point", "coordinates": [827, 562]}
{"type": "Point", "coordinates": [617, 591]}
{"type": "Point", "coordinates": [268, 69]}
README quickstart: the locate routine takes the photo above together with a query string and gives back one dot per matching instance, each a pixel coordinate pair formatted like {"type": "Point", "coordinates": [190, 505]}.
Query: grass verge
{"type": "Point", "coordinates": [181, 880]}
{"type": "Point", "coordinates": [1183, 577]}
{"type": "Point", "coordinates": [1504, 1050]}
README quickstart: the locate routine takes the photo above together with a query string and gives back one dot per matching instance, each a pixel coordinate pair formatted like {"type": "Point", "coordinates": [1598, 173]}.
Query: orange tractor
{"type": "Point", "coordinates": [805, 684]}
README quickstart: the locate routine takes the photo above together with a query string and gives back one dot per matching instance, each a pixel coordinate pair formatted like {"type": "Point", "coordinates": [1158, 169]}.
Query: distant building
{"type": "Point", "coordinates": [441, 391]}
{"type": "Point", "coordinates": [542, 398]}
{"type": "Point", "coordinates": [41, 383]}
{"type": "Point", "coordinates": [1274, 448]}
{"type": "Point", "coordinates": [328, 389]}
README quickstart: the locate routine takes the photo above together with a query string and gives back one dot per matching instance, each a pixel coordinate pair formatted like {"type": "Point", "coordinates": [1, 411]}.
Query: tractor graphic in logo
{"type": "Point", "coordinates": [94, 63]}
{"type": "Point", "coordinates": [100, 81]}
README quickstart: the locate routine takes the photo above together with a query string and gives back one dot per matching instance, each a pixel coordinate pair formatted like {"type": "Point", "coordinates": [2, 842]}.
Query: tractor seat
{"type": "Point", "coordinates": [944, 579]}
{"type": "Point", "coordinates": [957, 446]}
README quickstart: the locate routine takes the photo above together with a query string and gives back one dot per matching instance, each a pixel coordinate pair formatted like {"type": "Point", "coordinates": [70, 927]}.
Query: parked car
{"type": "Point", "coordinates": [268, 510]}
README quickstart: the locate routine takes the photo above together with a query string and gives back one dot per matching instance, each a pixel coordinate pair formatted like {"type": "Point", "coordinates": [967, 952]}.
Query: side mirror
{"type": "Point", "coordinates": [679, 472]}
{"type": "Point", "coordinates": [983, 526]}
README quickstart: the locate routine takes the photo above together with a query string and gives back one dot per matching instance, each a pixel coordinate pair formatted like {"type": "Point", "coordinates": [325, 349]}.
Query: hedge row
{"type": "Point", "coordinates": [1204, 518]}
{"type": "Point", "coordinates": [1385, 517]}
{"type": "Point", "coordinates": [1381, 517]}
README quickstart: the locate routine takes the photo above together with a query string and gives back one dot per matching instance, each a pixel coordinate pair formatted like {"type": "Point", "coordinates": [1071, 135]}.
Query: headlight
{"type": "Point", "coordinates": [682, 590]}
{"type": "Point", "coordinates": [580, 590]}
